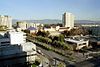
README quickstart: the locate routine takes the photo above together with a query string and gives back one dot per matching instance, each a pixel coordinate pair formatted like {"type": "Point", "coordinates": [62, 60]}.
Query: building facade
{"type": "Point", "coordinates": [6, 21]}
{"type": "Point", "coordinates": [25, 25]}
{"type": "Point", "coordinates": [77, 44]}
{"type": "Point", "coordinates": [22, 25]}
{"type": "Point", "coordinates": [68, 20]}
{"type": "Point", "coordinates": [15, 51]}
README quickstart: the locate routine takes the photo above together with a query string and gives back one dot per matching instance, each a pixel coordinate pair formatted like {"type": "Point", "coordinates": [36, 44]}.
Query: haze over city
{"type": "Point", "coordinates": [49, 33]}
{"type": "Point", "coordinates": [50, 9]}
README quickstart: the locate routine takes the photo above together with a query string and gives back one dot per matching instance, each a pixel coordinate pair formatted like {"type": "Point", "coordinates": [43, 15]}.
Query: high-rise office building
{"type": "Point", "coordinates": [68, 20]}
{"type": "Point", "coordinates": [6, 21]}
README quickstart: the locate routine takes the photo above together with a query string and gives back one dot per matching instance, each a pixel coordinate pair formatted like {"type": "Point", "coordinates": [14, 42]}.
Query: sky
{"type": "Point", "coordinates": [50, 9]}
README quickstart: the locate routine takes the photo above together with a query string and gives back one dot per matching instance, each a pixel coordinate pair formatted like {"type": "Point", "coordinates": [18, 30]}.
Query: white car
{"type": "Point", "coordinates": [40, 52]}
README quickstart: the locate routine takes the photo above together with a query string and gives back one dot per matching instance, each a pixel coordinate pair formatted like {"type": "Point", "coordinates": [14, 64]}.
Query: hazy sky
{"type": "Point", "coordinates": [50, 9]}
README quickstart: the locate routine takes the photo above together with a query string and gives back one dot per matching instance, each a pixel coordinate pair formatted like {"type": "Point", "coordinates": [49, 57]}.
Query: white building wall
{"type": "Point", "coordinates": [6, 21]}
{"type": "Point", "coordinates": [30, 25]}
{"type": "Point", "coordinates": [30, 48]}
{"type": "Point", "coordinates": [68, 20]}
{"type": "Point", "coordinates": [9, 24]}
{"type": "Point", "coordinates": [17, 37]}
{"type": "Point", "coordinates": [22, 25]}
{"type": "Point", "coordinates": [13, 38]}
{"type": "Point", "coordinates": [35, 25]}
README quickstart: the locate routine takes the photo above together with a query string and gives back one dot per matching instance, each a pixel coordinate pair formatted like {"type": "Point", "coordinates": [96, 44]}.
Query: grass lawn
{"type": "Point", "coordinates": [33, 65]}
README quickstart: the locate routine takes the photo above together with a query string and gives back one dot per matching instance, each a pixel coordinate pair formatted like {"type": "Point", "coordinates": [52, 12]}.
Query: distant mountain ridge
{"type": "Point", "coordinates": [86, 21]}
{"type": "Point", "coordinates": [55, 21]}
{"type": "Point", "coordinates": [45, 21]}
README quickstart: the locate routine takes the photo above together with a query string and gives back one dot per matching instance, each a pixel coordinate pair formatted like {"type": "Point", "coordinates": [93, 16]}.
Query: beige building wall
{"type": "Point", "coordinates": [68, 20]}
{"type": "Point", "coordinates": [6, 21]}
{"type": "Point", "coordinates": [22, 25]}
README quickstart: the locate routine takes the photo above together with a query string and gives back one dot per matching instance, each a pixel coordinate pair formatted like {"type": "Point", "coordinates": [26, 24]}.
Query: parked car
{"type": "Point", "coordinates": [40, 52]}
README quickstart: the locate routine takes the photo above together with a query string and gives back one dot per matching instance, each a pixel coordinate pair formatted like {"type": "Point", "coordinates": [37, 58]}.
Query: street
{"type": "Point", "coordinates": [51, 55]}
{"type": "Point", "coordinates": [44, 60]}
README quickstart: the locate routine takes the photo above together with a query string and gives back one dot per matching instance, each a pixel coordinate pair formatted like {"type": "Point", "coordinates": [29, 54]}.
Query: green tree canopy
{"type": "Point", "coordinates": [43, 33]}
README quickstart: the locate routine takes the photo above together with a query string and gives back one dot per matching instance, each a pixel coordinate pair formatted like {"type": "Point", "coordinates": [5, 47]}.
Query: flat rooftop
{"type": "Point", "coordinates": [75, 41]}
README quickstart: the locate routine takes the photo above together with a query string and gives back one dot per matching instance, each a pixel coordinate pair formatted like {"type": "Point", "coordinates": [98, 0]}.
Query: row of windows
{"type": "Point", "coordinates": [5, 42]}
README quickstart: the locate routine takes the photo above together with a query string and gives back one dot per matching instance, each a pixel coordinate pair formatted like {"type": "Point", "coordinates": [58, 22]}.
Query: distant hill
{"type": "Point", "coordinates": [14, 21]}
{"type": "Point", "coordinates": [86, 21]}
{"type": "Point", "coordinates": [45, 21]}
{"type": "Point", "coordinates": [54, 21]}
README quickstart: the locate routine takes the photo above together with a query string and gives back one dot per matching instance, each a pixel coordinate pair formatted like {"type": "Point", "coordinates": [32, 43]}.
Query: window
{"type": "Point", "coordinates": [5, 42]}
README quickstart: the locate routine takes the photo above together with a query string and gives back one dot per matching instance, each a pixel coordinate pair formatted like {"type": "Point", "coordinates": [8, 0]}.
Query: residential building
{"type": "Point", "coordinates": [32, 30]}
{"type": "Point", "coordinates": [35, 25]}
{"type": "Point", "coordinates": [6, 21]}
{"type": "Point", "coordinates": [49, 29]}
{"type": "Point", "coordinates": [22, 25]}
{"type": "Point", "coordinates": [68, 20]}
{"type": "Point", "coordinates": [25, 25]}
{"type": "Point", "coordinates": [30, 25]}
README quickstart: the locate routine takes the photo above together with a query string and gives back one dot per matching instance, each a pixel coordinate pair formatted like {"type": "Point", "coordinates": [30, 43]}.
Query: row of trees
{"type": "Point", "coordinates": [58, 41]}
{"type": "Point", "coordinates": [58, 38]}
{"type": "Point", "coordinates": [44, 39]}
{"type": "Point", "coordinates": [43, 33]}
{"type": "Point", "coordinates": [55, 41]}
{"type": "Point", "coordinates": [48, 47]}
{"type": "Point", "coordinates": [59, 44]}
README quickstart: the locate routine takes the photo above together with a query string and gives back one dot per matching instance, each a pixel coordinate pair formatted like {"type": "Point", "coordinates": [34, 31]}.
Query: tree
{"type": "Point", "coordinates": [77, 31]}
{"type": "Point", "coordinates": [47, 33]}
{"type": "Point", "coordinates": [61, 65]}
{"type": "Point", "coordinates": [66, 33]}
{"type": "Point", "coordinates": [48, 40]}
{"type": "Point", "coordinates": [44, 39]}
{"type": "Point", "coordinates": [26, 31]}
{"type": "Point", "coordinates": [47, 26]}
{"type": "Point", "coordinates": [55, 38]}
{"type": "Point", "coordinates": [61, 38]}
{"type": "Point", "coordinates": [58, 38]}
{"type": "Point", "coordinates": [43, 33]}
{"type": "Point", "coordinates": [3, 28]}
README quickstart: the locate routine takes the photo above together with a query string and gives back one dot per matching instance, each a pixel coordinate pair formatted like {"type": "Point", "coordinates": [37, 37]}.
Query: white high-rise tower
{"type": "Point", "coordinates": [68, 20]}
{"type": "Point", "coordinates": [6, 21]}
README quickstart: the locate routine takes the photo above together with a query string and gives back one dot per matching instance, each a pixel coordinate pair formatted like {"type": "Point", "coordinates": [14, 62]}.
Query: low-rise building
{"type": "Point", "coordinates": [49, 29]}
{"type": "Point", "coordinates": [32, 30]}
{"type": "Point", "coordinates": [78, 44]}
{"type": "Point", "coordinates": [22, 25]}
{"type": "Point", "coordinates": [25, 25]}
{"type": "Point", "coordinates": [63, 29]}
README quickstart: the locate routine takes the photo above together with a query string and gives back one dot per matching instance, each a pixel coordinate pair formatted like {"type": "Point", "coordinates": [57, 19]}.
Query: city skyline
{"type": "Point", "coordinates": [50, 9]}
